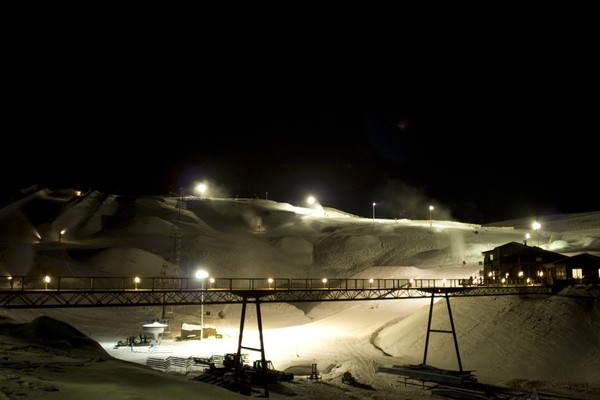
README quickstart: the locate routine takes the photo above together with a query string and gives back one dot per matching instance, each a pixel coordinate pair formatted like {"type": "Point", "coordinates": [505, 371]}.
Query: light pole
{"type": "Point", "coordinates": [311, 201]}
{"type": "Point", "coordinates": [374, 204]}
{"type": "Point", "coordinates": [202, 275]}
{"type": "Point", "coordinates": [430, 220]}
{"type": "Point", "coordinates": [536, 227]}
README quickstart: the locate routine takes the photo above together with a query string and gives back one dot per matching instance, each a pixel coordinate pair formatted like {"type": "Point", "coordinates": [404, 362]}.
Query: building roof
{"type": "Point", "coordinates": [515, 247]}
{"type": "Point", "coordinates": [580, 260]}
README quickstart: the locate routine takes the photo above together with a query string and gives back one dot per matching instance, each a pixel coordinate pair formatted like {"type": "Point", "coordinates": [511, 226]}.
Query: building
{"type": "Point", "coordinates": [195, 331]}
{"type": "Point", "coordinates": [582, 268]}
{"type": "Point", "coordinates": [514, 263]}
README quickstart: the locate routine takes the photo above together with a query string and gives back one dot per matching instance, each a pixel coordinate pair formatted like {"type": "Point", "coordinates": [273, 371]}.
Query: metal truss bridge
{"type": "Point", "coordinates": [48, 292]}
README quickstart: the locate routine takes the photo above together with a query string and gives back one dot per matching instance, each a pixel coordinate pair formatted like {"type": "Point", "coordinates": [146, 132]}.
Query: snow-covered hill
{"type": "Point", "coordinates": [502, 338]}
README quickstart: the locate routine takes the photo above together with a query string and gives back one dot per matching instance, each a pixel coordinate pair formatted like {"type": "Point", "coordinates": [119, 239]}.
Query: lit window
{"type": "Point", "coordinates": [577, 273]}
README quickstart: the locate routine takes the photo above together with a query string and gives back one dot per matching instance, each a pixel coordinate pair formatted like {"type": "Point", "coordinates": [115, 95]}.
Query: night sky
{"type": "Point", "coordinates": [479, 145]}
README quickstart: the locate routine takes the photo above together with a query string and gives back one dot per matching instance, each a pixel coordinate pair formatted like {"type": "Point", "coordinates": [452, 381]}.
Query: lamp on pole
{"type": "Point", "coordinates": [430, 220]}
{"type": "Point", "coordinates": [536, 227]}
{"type": "Point", "coordinates": [374, 204]}
{"type": "Point", "coordinates": [202, 275]}
{"type": "Point", "coordinates": [201, 189]}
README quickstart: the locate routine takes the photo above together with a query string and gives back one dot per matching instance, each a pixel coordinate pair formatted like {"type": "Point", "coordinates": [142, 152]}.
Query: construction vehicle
{"type": "Point", "coordinates": [257, 373]}
{"type": "Point", "coordinates": [231, 365]}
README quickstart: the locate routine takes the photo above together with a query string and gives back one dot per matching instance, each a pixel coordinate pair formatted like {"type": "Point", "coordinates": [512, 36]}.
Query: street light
{"type": "Point", "coordinates": [136, 280]}
{"type": "Point", "coordinates": [430, 220]}
{"type": "Point", "coordinates": [374, 204]}
{"type": "Point", "coordinates": [311, 201]}
{"type": "Point", "coordinates": [201, 189]}
{"type": "Point", "coordinates": [46, 281]}
{"type": "Point", "coordinates": [536, 227]}
{"type": "Point", "coordinates": [201, 274]}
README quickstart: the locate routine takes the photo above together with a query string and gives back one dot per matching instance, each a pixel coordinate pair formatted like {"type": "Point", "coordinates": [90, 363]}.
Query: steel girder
{"type": "Point", "coordinates": [123, 298]}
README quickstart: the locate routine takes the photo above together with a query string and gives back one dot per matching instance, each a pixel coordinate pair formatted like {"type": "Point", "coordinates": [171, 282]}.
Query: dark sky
{"type": "Point", "coordinates": [481, 144]}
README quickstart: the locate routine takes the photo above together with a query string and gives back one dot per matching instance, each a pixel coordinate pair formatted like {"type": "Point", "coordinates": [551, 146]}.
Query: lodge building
{"type": "Point", "coordinates": [516, 263]}
{"type": "Point", "coordinates": [582, 268]}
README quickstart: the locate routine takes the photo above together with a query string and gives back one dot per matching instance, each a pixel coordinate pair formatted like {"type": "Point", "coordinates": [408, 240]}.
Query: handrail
{"type": "Point", "coordinates": [161, 284]}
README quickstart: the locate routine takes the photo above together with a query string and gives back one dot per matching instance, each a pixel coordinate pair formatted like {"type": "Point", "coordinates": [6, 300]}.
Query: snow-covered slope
{"type": "Point", "coordinates": [502, 338]}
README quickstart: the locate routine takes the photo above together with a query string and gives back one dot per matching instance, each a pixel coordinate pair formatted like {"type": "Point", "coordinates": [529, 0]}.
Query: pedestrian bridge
{"type": "Point", "coordinates": [48, 292]}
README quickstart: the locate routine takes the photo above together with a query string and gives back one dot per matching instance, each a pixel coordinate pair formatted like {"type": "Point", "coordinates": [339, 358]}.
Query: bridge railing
{"type": "Point", "coordinates": [228, 284]}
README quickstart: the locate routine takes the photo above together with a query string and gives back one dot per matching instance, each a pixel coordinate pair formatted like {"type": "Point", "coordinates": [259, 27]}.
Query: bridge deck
{"type": "Point", "coordinates": [40, 292]}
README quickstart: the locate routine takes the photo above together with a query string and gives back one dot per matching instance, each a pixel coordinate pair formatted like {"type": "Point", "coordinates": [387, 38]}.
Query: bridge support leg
{"type": "Point", "coordinates": [452, 331]}
{"type": "Point", "coordinates": [262, 344]}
